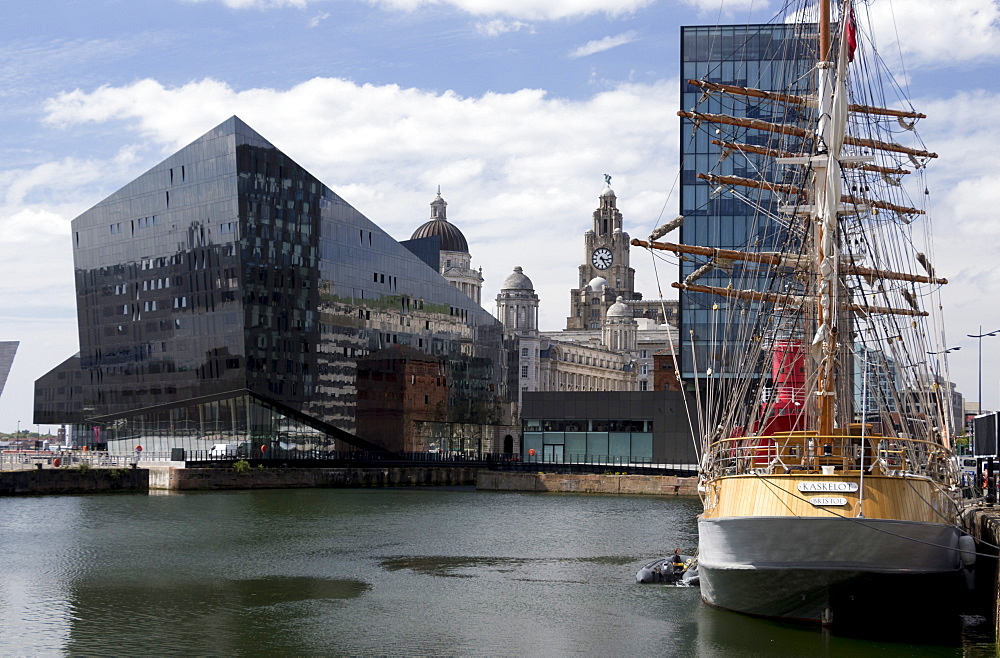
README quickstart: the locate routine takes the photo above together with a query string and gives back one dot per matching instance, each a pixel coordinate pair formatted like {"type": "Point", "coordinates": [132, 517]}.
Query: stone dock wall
{"type": "Point", "coordinates": [984, 525]}
{"type": "Point", "coordinates": [635, 485]}
{"type": "Point", "coordinates": [174, 477]}
{"type": "Point", "coordinates": [192, 479]}
{"type": "Point", "coordinates": [73, 480]}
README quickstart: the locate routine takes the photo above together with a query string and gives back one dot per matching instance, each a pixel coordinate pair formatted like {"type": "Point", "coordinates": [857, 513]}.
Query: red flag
{"type": "Point", "coordinates": [850, 33]}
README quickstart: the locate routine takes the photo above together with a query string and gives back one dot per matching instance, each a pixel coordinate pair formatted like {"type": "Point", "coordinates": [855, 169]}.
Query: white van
{"type": "Point", "coordinates": [223, 450]}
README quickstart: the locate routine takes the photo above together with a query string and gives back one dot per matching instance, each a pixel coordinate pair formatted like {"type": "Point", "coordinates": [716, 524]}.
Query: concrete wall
{"type": "Point", "coordinates": [671, 432]}
{"type": "Point", "coordinates": [188, 479]}
{"type": "Point", "coordinates": [984, 526]}
{"type": "Point", "coordinates": [73, 480]}
{"type": "Point", "coordinates": [175, 478]}
{"type": "Point", "coordinates": [647, 485]}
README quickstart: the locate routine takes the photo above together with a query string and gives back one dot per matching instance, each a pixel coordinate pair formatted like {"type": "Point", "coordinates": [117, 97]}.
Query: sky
{"type": "Point", "coordinates": [516, 108]}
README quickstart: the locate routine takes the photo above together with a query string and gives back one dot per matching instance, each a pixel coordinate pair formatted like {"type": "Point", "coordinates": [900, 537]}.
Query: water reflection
{"type": "Point", "coordinates": [368, 572]}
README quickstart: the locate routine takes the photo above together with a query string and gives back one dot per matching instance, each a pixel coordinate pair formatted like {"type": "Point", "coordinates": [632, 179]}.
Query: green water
{"type": "Point", "coordinates": [400, 572]}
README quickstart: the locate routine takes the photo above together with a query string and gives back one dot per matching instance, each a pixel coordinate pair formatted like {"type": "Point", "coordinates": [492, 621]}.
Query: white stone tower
{"type": "Point", "coordinates": [517, 310]}
{"type": "Point", "coordinates": [620, 331]}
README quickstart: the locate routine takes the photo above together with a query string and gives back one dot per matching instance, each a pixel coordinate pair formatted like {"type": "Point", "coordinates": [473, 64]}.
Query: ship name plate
{"type": "Point", "coordinates": [828, 501]}
{"type": "Point", "coordinates": [829, 487]}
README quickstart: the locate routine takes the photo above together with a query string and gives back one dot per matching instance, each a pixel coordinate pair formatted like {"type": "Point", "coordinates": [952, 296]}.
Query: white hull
{"type": "Point", "coordinates": [823, 569]}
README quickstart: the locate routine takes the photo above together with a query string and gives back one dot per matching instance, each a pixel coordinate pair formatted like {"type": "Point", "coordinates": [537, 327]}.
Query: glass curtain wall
{"type": "Point", "coordinates": [767, 57]}
{"type": "Point", "coordinates": [588, 441]}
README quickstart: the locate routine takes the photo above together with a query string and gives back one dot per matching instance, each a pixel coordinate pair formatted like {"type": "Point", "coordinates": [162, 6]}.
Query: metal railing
{"type": "Point", "coordinates": [784, 453]}
{"type": "Point", "coordinates": [24, 460]}
{"type": "Point", "coordinates": [573, 463]}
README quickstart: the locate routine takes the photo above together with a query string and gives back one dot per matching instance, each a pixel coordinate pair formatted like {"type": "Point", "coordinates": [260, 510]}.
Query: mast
{"type": "Point", "coordinates": [827, 193]}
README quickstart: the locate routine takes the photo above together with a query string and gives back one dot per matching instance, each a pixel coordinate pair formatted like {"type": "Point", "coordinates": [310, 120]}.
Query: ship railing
{"type": "Point", "coordinates": [811, 453]}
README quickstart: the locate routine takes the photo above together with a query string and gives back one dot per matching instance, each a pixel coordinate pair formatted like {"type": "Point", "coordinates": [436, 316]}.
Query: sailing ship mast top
{"type": "Point", "coordinates": [823, 214]}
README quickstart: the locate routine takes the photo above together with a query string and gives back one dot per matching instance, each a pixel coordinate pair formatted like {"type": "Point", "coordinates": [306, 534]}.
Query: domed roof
{"type": "Point", "coordinates": [608, 191]}
{"type": "Point", "coordinates": [597, 283]}
{"type": "Point", "coordinates": [517, 281]}
{"type": "Point", "coordinates": [619, 309]}
{"type": "Point", "coordinates": [451, 238]}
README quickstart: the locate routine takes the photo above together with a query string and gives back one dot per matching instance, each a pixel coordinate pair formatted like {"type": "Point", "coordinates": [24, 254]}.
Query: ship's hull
{"type": "Point", "coordinates": [826, 569]}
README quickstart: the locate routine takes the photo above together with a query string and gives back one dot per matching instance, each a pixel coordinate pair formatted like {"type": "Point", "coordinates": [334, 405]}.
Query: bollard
{"type": "Point", "coordinates": [991, 484]}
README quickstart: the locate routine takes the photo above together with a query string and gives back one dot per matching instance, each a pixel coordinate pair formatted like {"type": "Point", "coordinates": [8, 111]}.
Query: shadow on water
{"type": "Point", "coordinates": [470, 567]}
{"type": "Point", "coordinates": [725, 633]}
{"type": "Point", "coordinates": [208, 617]}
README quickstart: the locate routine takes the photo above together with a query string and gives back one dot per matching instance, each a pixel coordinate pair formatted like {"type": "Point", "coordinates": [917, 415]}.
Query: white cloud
{"type": "Point", "coordinates": [934, 34]}
{"type": "Point", "coordinates": [526, 9]}
{"type": "Point", "coordinates": [964, 196]}
{"type": "Point", "coordinates": [521, 171]}
{"type": "Point", "coordinates": [728, 7]}
{"type": "Point", "coordinates": [318, 18]}
{"type": "Point", "coordinates": [496, 27]}
{"type": "Point", "coordinates": [600, 45]}
{"type": "Point", "coordinates": [926, 34]}
{"type": "Point", "coordinates": [259, 4]}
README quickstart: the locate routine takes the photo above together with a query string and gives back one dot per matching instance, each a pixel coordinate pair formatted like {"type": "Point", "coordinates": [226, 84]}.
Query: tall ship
{"type": "Point", "coordinates": [824, 412]}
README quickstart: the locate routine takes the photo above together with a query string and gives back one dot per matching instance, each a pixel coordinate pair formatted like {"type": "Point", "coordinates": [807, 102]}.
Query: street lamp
{"type": "Point", "coordinates": [980, 336]}
{"type": "Point", "coordinates": [936, 386]}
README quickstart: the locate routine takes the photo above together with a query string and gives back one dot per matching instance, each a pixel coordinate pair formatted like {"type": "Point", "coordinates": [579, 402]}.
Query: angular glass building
{"type": "Point", "coordinates": [226, 296]}
{"type": "Point", "coordinates": [766, 57]}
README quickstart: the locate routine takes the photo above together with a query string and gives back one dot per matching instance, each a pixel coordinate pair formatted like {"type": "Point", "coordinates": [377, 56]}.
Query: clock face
{"type": "Point", "coordinates": [602, 258]}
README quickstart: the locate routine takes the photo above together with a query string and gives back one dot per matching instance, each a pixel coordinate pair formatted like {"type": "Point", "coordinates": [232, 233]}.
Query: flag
{"type": "Point", "coordinates": [850, 32]}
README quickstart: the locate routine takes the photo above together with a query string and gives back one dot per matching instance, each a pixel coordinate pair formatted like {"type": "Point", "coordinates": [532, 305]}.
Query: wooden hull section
{"type": "Point", "coordinates": [898, 497]}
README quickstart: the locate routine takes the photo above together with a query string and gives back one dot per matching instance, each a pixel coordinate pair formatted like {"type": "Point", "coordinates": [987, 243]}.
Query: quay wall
{"type": "Point", "coordinates": [984, 525]}
{"type": "Point", "coordinates": [72, 480]}
{"type": "Point", "coordinates": [645, 485]}
{"type": "Point", "coordinates": [192, 479]}
{"type": "Point", "coordinates": [173, 476]}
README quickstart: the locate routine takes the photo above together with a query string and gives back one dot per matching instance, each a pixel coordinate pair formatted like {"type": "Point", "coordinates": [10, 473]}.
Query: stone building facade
{"type": "Point", "coordinates": [455, 259]}
{"type": "Point", "coordinates": [605, 273]}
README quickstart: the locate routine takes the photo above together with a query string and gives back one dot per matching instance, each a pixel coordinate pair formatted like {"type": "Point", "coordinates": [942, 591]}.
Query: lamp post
{"type": "Point", "coordinates": [980, 336]}
{"type": "Point", "coordinates": [944, 403]}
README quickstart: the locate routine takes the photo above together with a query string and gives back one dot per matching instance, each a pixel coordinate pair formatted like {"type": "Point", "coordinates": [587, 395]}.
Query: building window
{"type": "Point", "coordinates": [643, 385]}
{"type": "Point", "coordinates": [643, 354]}
{"type": "Point", "coordinates": [524, 371]}
{"type": "Point", "coordinates": [644, 369]}
{"type": "Point", "coordinates": [524, 351]}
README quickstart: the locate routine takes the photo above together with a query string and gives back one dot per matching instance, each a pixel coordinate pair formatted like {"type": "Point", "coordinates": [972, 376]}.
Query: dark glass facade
{"type": "Point", "coordinates": [767, 57]}
{"type": "Point", "coordinates": [227, 285]}
{"type": "Point", "coordinates": [608, 427]}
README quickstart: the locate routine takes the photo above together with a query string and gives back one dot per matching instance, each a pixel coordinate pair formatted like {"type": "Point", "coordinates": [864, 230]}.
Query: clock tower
{"type": "Point", "coordinates": [605, 274]}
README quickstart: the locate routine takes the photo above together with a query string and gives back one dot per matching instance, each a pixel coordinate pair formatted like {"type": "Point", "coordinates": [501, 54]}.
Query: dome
{"type": "Point", "coordinates": [597, 283]}
{"type": "Point", "coordinates": [608, 191]}
{"type": "Point", "coordinates": [619, 309]}
{"type": "Point", "coordinates": [451, 238]}
{"type": "Point", "coordinates": [517, 281]}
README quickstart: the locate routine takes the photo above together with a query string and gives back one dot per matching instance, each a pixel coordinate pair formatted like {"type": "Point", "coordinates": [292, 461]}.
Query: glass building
{"type": "Point", "coordinates": [608, 427]}
{"type": "Point", "coordinates": [766, 57]}
{"type": "Point", "coordinates": [226, 296]}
